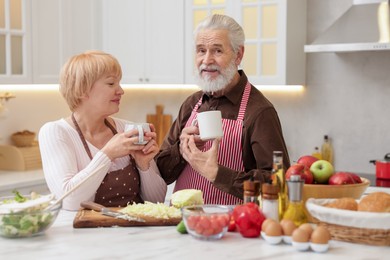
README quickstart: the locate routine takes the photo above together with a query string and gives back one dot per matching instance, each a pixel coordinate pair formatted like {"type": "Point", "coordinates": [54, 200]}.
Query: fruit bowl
{"type": "Point", "coordinates": [20, 222]}
{"type": "Point", "coordinates": [206, 222]}
{"type": "Point", "coordinates": [325, 191]}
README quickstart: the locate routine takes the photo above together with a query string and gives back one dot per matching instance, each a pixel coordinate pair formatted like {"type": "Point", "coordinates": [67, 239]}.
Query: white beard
{"type": "Point", "coordinates": [209, 85]}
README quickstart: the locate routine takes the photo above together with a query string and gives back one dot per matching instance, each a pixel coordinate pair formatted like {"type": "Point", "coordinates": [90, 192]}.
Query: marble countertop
{"type": "Point", "coordinates": [20, 179]}
{"type": "Point", "coordinates": [62, 241]}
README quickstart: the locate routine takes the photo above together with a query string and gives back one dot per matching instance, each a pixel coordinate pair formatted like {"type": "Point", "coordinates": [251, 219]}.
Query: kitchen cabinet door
{"type": "Point", "coordinates": [15, 38]}
{"type": "Point", "coordinates": [147, 37]}
{"type": "Point", "coordinates": [61, 29]}
{"type": "Point", "coordinates": [275, 33]}
{"type": "Point", "coordinates": [51, 31]}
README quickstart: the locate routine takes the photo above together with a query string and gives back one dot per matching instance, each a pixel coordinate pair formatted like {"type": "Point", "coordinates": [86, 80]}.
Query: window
{"type": "Point", "coordinates": [12, 37]}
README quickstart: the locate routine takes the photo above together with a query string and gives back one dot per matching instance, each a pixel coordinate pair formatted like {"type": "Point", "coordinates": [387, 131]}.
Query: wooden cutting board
{"type": "Point", "coordinates": [161, 122]}
{"type": "Point", "coordinates": [86, 218]}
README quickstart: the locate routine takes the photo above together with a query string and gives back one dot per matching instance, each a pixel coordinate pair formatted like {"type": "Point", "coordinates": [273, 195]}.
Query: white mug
{"type": "Point", "coordinates": [210, 124]}
{"type": "Point", "coordinates": [142, 128]}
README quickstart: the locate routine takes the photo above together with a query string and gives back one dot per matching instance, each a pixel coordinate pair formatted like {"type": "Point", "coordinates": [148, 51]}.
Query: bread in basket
{"type": "Point", "coordinates": [352, 226]}
{"type": "Point", "coordinates": [23, 138]}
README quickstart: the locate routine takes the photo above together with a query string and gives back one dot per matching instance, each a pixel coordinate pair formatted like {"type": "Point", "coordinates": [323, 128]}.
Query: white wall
{"type": "Point", "coordinates": [346, 97]}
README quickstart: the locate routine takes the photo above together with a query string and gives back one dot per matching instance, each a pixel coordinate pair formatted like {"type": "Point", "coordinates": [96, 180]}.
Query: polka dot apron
{"type": "Point", "coordinates": [120, 187]}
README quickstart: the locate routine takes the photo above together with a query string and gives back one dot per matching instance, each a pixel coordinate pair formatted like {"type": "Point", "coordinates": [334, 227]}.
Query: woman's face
{"type": "Point", "coordinates": [105, 95]}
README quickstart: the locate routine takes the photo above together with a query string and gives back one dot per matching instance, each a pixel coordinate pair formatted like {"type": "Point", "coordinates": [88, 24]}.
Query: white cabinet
{"type": "Point", "coordinates": [15, 41]}
{"type": "Point", "coordinates": [275, 36]}
{"type": "Point", "coordinates": [60, 29]}
{"type": "Point", "coordinates": [51, 32]}
{"type": "Point", "coordinates": [147, 37]}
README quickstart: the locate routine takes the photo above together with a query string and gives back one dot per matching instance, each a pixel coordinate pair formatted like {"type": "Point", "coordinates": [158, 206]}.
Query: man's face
{"type": "Point", "coordinates": [216, 61]}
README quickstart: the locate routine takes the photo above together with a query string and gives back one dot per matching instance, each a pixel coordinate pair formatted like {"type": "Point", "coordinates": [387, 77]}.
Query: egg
{"type": "Point", "coordinates": [265, 223]}
{"type": "Point", "coordinates": [307, 227]}
{"type": "Point", "coordinates": [320, 235]}
{"type": "Point", "coordinates": [288, 226]}
{"type": "Point", "coordinates": [300, 235]}
{"type": "Point", "coordinates": [273, 229]}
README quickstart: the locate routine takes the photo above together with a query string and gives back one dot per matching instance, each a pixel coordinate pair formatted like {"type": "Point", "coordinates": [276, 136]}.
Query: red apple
{"type": "Point", "coordinates": [307, 160]}
{"type": "Point", "coordinates": [341, 178]}
{"type": "Point", "coordinates": [356, 178]}
{"type": "Point", "coordinates": [302, 170]}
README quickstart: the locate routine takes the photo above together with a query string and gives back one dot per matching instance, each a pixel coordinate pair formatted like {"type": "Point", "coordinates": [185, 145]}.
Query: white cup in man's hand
{"type": "Point", "coordinates": [142, 129]}
{"type": "Point", "coordinates": [210, 124]}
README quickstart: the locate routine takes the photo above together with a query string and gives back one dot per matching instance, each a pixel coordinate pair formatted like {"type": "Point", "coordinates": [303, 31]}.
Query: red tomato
{"type": "Point", "coordinates": [205, 222]}
{"type": "Point", "coordinates": [192, 221]}
{"type": "Point", "coordinates": [232, 224]}
{"type": "Point", "coordinates": [248, 219]}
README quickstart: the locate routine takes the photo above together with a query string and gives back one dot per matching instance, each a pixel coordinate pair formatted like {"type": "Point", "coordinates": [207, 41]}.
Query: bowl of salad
{"type": "Point", "coordinates": [27, 215]}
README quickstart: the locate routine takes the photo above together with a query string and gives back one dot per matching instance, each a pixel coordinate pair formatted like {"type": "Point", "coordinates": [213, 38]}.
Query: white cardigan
{"type": "Point", "coordinates": [66, 163]}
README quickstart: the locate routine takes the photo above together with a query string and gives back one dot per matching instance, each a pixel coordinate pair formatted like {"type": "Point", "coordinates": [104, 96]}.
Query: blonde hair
{"type": "Point", "coordinates": [81, 71]}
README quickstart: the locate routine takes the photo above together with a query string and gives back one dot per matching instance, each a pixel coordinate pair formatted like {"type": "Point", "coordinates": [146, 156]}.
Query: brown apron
{"type": "Point", "coordinates": [118, 188]}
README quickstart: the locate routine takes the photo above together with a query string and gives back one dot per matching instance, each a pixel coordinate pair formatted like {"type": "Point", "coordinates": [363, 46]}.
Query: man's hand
{"type": "Point", "coordinates": [186, 133]}
{"type": "Point", "coordinates": [206, 163]}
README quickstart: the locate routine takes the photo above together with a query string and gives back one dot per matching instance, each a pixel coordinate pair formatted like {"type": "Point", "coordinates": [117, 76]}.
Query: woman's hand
{"type": "Point", "coordinates": [123, 144]}
{"type": "Point", "coordinates": [148, 152]}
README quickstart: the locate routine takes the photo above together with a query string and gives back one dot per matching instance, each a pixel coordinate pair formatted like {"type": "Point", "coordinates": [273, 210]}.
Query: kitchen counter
{"type": "Point", "coordinates": [23, 181]}
{"type": "Point", "coordinates": [62, 241]}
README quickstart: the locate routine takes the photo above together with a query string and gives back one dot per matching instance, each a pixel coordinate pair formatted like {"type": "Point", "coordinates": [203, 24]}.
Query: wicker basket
{"type": "Point", "coordinates": [23, 139]}
{"type": "Point", "coordinates": [352, 226]}
{"type": "Point", "coordinates": [377, 237]}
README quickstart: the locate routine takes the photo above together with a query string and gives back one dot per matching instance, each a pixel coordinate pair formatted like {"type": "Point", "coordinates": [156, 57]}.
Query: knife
{"type": "Point", "coordinates": [108, 212]}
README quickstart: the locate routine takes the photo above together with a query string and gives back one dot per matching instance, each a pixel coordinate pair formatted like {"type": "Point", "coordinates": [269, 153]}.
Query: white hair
{"type": "Point", "coordinates": [218, 22]}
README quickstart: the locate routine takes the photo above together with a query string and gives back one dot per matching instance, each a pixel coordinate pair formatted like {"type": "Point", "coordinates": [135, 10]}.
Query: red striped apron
{"type": "Point", "coordinates": [229, 155]}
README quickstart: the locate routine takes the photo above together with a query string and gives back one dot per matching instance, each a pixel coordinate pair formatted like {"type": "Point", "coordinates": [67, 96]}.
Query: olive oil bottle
{"type": "Point", "coordinates": [279, 179]}
{"type": "Point", "coordinates": [295, 210]}
{"type": "Point", "coordinates": [327, 150]}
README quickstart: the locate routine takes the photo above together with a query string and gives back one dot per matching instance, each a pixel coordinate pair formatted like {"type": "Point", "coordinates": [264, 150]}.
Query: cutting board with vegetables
{"type": "Point", "coordinates": [161, 122]}
{"type": "Point", "coordinates": [86, 218]}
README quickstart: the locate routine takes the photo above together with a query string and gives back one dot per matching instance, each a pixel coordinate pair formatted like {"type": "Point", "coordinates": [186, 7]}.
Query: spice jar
{"type": "Point", "coordinates": [251, 191]}
{"type": "Point", "coordinates": [270, 200]}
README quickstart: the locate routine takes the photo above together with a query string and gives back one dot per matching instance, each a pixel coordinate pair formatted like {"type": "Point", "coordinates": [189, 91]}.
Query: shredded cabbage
{"type": "Point", "coordinates": [156, 210]}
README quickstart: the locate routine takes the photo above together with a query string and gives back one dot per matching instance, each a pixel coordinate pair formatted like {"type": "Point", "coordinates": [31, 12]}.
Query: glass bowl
{"type": "Point", "coordinates": [206, 222]}
{"type": "Point", "coordinates": [20, 222]}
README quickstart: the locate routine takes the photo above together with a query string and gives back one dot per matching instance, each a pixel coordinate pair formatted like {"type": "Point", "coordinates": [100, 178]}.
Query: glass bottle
{"type": "Point", "coordinates": [251, 191]}
{"type": "Point", "coordinates": [279, 179]}
{"type": "Point", "coordinates": [269, 200]}
{"type": "Point", "coordinates": [327, 150]}
{"type": "Point", "coordinates": [295, 210]}
{"type": "Point", "coordinates": [316, 153]}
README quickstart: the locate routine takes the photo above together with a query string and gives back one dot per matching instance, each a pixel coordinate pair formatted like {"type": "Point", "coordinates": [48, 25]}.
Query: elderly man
{"type": "Point", "coordinates": [252, 130]}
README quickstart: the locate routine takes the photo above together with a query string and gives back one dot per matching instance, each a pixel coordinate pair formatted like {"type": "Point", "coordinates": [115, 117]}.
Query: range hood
{"type": "Point", "coordinates": [363, 27]}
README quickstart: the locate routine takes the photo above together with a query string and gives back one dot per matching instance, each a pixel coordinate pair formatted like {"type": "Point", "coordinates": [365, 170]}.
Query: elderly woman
{"type": "Point", "coordinates": [91, 144]}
